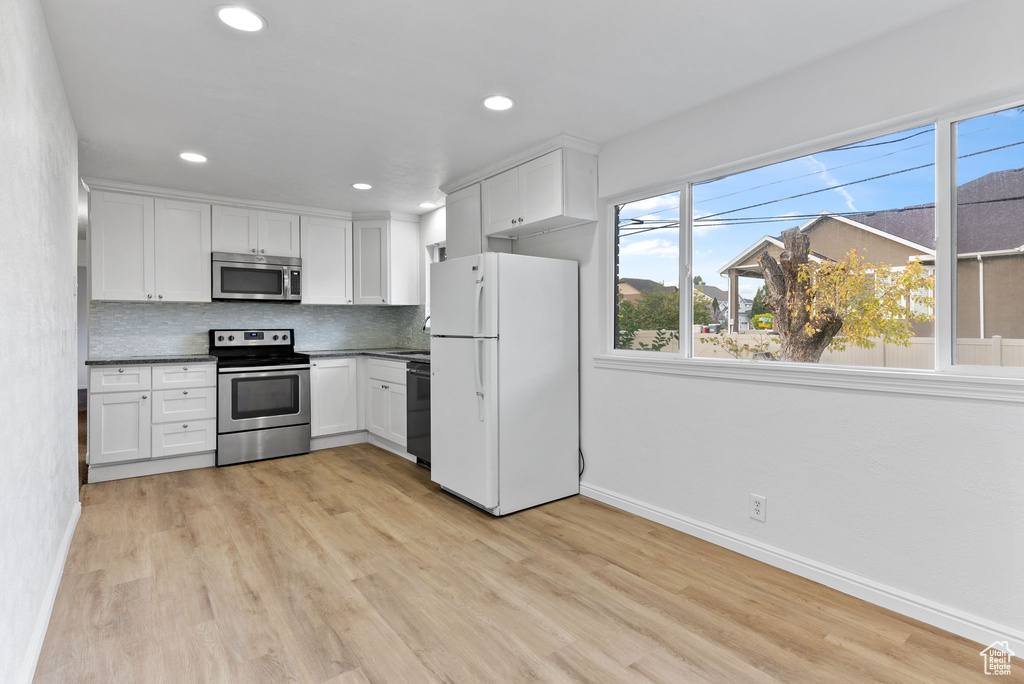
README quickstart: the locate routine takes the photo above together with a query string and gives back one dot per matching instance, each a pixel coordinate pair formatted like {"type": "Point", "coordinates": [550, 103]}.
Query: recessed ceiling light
{"type": "Point", "coordinates": [193, 157]}
{"type": "Point", "coordinates": [241, 18]}
{"type": "Point", "coordinates": [498, 103]}
{"type": "Point", "coordinates": [361, 186]}
{"type": "Point", "coordinates": [427, 205]}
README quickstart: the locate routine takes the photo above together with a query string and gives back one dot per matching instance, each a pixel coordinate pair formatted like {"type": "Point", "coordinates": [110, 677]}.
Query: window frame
{"type": "Point", "coordinates": [995, 383]}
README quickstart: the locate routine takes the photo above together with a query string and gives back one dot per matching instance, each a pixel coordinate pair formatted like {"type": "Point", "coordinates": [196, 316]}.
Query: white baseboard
{"type": "Point", "coordinates": [118, 471]}
{"type": "Point", "coordinates": [340, 440]}
{"type": "Point", "coordinates": [35, 646]}
{"type": "Point", "coordinates": [388, 445]}
{"type": "Point", "coordinates": [944, 617]}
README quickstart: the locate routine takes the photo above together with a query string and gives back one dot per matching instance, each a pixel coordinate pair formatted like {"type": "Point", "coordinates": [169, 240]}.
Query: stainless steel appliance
{"type": "Point", "coordinates": [252, 276]}
{"type": "Point", "coordinates": [262, 395]}
{"type": "Point", "coordinates": [417, 412]}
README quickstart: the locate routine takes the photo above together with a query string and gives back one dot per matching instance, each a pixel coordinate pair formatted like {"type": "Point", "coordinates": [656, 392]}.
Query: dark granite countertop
{"type": "Point", "coordinates": [146, 360]}
{"type": "Point", "coordinates": [418, 355]}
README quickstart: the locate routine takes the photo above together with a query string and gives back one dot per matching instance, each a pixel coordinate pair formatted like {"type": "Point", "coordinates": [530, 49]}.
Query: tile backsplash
{"type": "Point", "coordinates": [144, 328]}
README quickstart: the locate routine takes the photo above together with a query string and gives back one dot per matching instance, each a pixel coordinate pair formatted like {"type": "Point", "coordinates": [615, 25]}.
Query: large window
{"type": "Point", "coordinates": [647, 274]}
{"type": "Point", "coordinates": [990, 240]}
{"type": "Point", "coordinates": [902, 251]}
{"type": "Point", "coordinates": [824, 258]}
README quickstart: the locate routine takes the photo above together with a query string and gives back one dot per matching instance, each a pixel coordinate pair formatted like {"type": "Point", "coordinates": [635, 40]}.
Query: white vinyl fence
{"type": "Point", "coordinates": [994, 351]}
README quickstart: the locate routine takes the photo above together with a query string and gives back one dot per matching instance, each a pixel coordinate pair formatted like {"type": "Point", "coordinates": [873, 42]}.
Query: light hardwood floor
{"type": "Point", "coordinates": [348, 565]}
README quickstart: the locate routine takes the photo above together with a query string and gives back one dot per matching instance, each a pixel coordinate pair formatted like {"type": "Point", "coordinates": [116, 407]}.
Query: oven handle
{"type": "Point", "coordinates": [263, 369]}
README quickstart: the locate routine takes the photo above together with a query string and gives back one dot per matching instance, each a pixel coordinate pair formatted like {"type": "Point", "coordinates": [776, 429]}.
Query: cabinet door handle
{"type": "Point", "coordinates": [520, 219]}
{"type": "Point", "coordinates": [185, 425]}
{"type": "Point", "coordinates": [145, 397]}
{"type": "Point", "coordinates": [253, 250]}
{"type": "Point", "coordinates": [513, 222]}
{"type": "Point", "coordinates": [184, 368]}
{"type": "Point", "coordinates": [263, 251]}
{"type": "Point", "coordinates": [149, 296]}
{"type": "Point", "coordinates": [185, 392]}
{"type": "Point", "coordinates": [384, 300]}
{"type": "Point", "coordinates": [314, 364]}
{"type": "Point", "coordinates": [120, 370]}
{"type": "Point", "coordinates": [160, 296]}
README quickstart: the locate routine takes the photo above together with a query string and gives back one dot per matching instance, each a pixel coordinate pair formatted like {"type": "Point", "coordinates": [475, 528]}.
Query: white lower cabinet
{"type": "Point", "coordinates": [119, 427]}
{"type": "Point", "coordinates": [128, 421]}
{"type": "Point", "coordinates": [334, 396]}
{"type": "Point", "coordinates": [178, 439]}
{"type": "Point", "coordinates": [385, 400]}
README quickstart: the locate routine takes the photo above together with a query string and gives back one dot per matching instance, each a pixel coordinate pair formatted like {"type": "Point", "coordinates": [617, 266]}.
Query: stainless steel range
{"type": "Point", "coordinates": [262, 395]}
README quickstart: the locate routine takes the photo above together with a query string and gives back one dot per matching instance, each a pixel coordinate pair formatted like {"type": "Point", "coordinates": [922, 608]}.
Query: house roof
{"type": "Point", "coordinates": [643, 285]}
{"type": "Point", "coordinates": [715, 293]}
{"type": "Point", "coordinates": [989, 216]}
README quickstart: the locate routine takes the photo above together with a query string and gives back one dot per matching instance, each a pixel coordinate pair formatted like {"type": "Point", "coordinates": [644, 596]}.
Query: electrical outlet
{"type": "Point", "coordinates": [757, 507]}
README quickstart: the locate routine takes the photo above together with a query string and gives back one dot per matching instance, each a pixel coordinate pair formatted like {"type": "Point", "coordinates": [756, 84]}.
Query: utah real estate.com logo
{"type": "Point", "coordinates": [997, 658]}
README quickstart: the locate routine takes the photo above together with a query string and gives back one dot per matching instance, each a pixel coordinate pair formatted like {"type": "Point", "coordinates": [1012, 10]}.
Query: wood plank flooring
{"type": "Point", "coordinates": [349, 566]}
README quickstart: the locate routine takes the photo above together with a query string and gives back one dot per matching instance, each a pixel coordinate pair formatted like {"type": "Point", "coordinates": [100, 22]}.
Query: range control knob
{"type": "Point", "coordinates": [231, 338]}
{"type": "Point", "coordinates": [220, 338]}
{"type": "Point", "coordinates": [275, 337]}
{"type": "Point", "coordinates": [284, 337]}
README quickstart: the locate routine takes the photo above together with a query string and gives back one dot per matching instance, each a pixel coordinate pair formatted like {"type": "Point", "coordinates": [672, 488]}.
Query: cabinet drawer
{"type": "Point", "coordinates": [387, 371]}
{"type": "Point", "coordinates": [119, 379]}
{"type": "Point", "coordinates": [184, 376]}
{"type": "Point", "coordinates": [176, 439]}
{"type": "Point", "coordinates": [182, 405]}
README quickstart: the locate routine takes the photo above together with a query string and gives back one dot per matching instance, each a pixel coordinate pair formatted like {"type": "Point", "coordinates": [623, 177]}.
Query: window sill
{"type": "Point", "coordinates": [878, 380]}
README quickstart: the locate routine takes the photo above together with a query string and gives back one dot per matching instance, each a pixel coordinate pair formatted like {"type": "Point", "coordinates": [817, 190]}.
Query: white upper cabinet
{"type": "Point", "coordinates": [235, 229]}
{"type": "Point", "coordinates": [463, 233]}
{"type": "Point", "coordinates": [385, 261]}
{"type": "Point", "coordinates": [254, 231]}
{"type": "Point", "coordinates": [182, 254]}
{"type": "Point", "coordinates": [278, 234]}
{"type": "Point", "coordinates": [326, 260]}
{"type": "Point", "coordinates": [121, 246]}
{"type": "Point", "coordinates": [555, 190]}
{"type": "Point", "coordinates": [146, 249]}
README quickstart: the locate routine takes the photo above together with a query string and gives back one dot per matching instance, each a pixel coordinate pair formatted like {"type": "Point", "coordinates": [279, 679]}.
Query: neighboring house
{"type": "Point", "coordinates": [745, 305]}
{"type": "Point", "coordinates": [990, 262]}
{"type": "Point", "coordinates": [632, 288]}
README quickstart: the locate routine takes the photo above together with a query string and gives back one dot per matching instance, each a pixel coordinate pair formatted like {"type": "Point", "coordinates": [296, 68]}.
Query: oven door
{"type": "Point", "coordinates": [258, 398]}
{"type": "Point", "coordinates": [233, 280]}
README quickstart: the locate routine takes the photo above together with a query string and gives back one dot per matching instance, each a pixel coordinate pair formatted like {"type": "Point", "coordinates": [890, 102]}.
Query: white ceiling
{"type": "Point", "coordinates": [388, 91]}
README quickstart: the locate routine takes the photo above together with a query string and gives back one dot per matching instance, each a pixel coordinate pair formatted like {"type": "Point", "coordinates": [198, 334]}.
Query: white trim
{"type": "Point", "coordinates": [857, 378]}
{"type": "Point", "coordinates": [104, 472]}
{"type": "Point", "coordinates": [120, 186]}
{"type": "Point", "coordinates": [558, 142]}
{"type": "Point", "coordinates": [939, 615]}
{"type": "Point", "coordinates": [35, 644]}
{"type": "Point", "coordinates": [749, 251]}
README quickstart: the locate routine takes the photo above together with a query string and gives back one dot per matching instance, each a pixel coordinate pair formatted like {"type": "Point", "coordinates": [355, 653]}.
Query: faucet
{"type": "Point", "coordinates": [426, 325]}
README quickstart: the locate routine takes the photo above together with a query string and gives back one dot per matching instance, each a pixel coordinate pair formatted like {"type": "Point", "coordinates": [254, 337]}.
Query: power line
{"type": "Point", "coordinates": [856, 182]}
{"type": "Point", "coordinates": [856, 146]}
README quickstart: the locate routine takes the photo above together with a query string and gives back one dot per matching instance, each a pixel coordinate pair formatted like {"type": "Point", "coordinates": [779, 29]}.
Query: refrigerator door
{"type": "Point", "coordinates": [464, 418]}
{"type": "Point", "coordinates": [464, 297]}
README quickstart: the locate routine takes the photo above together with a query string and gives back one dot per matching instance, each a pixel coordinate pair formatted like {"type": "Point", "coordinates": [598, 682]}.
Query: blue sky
{"type": "Point", "coordinates": [732, 227]}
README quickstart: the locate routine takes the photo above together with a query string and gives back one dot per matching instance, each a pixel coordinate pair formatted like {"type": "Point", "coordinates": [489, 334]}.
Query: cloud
{"type": "Point", "coordinates": [650, 247]}
{"type": "Point", "coordinates": [828, 178]}
{"type": "Point", "coordinates": [652, 204]}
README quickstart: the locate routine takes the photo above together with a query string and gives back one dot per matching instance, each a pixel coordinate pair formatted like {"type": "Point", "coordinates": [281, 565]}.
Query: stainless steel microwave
{"type": "Point", "coordinates": [250, 276]}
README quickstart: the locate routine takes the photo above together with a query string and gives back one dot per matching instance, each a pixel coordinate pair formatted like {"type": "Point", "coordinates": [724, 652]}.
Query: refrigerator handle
{"type": "Point", "coordinates": [476, 305]}
{"type": "Point", "coordinates": [478, 374]}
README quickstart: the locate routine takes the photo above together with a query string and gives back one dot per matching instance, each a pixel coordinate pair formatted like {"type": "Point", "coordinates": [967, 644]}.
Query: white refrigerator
{"type": "Point", "coordinates": [504, 350]}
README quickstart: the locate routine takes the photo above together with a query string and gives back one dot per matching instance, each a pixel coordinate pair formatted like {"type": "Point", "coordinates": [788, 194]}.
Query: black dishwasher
{"type": "Point", "coordinates": [417, 407]}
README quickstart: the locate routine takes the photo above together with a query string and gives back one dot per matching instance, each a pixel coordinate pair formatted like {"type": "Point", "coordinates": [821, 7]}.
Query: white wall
{"type": "Point", "coordinates": [38, 214]}
{"type": "Point", "coordinates": [911, 502]}
{"type": "Point", "coordinates": [432, 231]}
